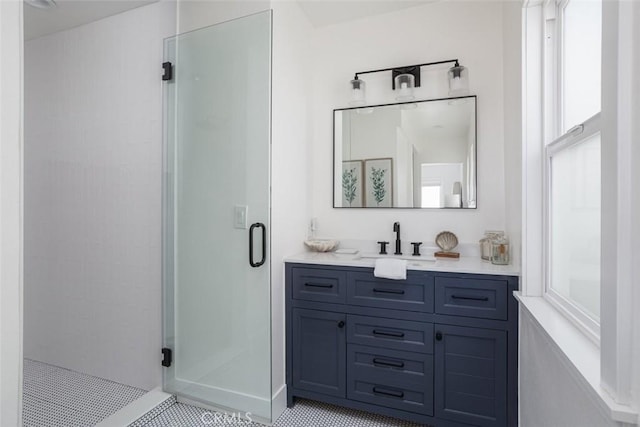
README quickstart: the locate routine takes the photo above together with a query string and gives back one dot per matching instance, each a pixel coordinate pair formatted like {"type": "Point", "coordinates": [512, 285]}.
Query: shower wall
{"type": "Point", "coordinates": [92, 197]}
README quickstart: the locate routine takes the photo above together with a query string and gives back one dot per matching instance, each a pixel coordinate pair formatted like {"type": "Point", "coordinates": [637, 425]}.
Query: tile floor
{"type": "Point", "coordinates": [57, 397]}
{"type": "Point", "coordinates": [305, 413]}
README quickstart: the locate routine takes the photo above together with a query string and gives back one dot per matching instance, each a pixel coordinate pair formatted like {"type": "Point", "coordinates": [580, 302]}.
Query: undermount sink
{"type": "Point", "coordinates": [420, 258]}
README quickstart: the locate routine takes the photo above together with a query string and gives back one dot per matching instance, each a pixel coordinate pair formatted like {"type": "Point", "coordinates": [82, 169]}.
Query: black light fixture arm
{"type": "Point", "coordinates": [408, 69]}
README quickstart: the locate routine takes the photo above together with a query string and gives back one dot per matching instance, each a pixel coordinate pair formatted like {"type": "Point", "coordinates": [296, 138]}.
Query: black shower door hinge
{"type": "Point", "coordinates": [168, 71]}
{"type": "Point", "coordinates": [166, 357]}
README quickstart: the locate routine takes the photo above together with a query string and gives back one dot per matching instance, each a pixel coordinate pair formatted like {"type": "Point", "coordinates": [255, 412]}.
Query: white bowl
{"type": "Point", "coordinates": [322, 245]}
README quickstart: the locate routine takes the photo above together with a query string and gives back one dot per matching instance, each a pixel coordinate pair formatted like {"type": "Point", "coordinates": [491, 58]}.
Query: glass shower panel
{"type": "Point", "coordinates": [217, 318]}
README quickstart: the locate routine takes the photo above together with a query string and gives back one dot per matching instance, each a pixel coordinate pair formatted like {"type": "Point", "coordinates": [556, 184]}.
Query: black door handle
{"type": "Point", "coordinates": [264, 244]}
{"type": "Point", "coordinates": [438, 336]}
{"type": "Point", "coordinates": [341, 324]}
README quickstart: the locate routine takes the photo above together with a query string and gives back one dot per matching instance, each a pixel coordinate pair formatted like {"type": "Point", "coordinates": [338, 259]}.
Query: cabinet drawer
{"type": "Point", "coordinates": [390, 333]}
{"type": "Point", "coordinates": [413, 294]}
{"type": "Point", "coordinates": [390, 378]}
{"type": "Point", "coordinates": [485, 298]}
{"type": "Point", "coordinates": [389, 366]}
{"type": "Point", "coordinates": [319, 284]}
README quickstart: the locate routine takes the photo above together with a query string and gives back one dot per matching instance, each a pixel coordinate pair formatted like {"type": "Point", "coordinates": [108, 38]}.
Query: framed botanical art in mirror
{"type": "Point", "coordinates": [419, 154]}
{"type": "Point", "coordinates": [378, 183]}
{"type": "Point", "coordinates": [352, 179]}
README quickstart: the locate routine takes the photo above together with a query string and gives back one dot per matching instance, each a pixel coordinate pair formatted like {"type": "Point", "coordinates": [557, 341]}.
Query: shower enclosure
{"type": "Point", "coordinates": [216, 290]}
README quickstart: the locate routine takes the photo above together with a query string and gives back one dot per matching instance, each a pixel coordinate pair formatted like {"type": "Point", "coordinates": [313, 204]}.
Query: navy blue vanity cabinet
{"type": "Point", "coordinates": [413, 294]}
{"type": "Point", "coordinates": [438, 349]}
{"type": "Point", "coordinates": [471, 375]}
{"type": "Point", "coordinates": [320, 351]}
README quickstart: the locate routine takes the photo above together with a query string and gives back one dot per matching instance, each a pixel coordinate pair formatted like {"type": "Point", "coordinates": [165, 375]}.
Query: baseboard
{"type": "Point", "coordinates": [278, 403]}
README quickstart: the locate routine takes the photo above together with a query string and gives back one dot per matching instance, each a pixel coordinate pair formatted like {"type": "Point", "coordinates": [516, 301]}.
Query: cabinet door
{"type": "Point", "coordinates": [471, 375]}
{"type": "Point", "coordinates": [319, 351]}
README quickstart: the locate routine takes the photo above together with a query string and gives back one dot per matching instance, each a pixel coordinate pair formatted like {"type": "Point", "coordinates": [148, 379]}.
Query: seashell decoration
{"type": "Point", "coordinates": [322, 245]}
{"type": "Point", "coordinates": [447, 241]}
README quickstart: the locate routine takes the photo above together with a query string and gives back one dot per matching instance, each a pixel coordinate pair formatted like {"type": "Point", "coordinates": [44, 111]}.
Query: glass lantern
{"type": "Point", "coordinates": [458, 80]}
{"type": "Point", "coordinates": [404, 84]}
{"type": "Point", "coordinates": [358, 92]}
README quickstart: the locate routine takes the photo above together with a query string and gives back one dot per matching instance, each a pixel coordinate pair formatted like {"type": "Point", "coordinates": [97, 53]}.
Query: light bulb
{"type": "Point", "coordinates": [404, 84]}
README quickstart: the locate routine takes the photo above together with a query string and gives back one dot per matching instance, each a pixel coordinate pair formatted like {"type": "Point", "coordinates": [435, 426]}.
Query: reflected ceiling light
{"type": "Point", "coordinates": [41, 4]}
{"type": "Point", "coordinates": [408, 106]}
{"type": "Point", "coordinates": [405, 79]}
{"type": "Point", "coordinates": [365, 110]}
{"type": "Point", "coordinates": [458, 101]}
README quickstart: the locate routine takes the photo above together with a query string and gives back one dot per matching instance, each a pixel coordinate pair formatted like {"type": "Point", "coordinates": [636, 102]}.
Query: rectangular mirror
{"type": "Point", "coordinates": [419, 154]}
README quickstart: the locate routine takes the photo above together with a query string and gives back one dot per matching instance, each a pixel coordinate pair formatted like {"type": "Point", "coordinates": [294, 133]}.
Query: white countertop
{"type": "Point", "coordinates": [473, 265]}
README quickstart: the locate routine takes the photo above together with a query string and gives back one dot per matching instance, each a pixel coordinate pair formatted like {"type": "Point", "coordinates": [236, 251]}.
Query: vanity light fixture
{"type": "Point", "coordinates": [405, 79]}
{"type": "Point", "coordinates": [357, 91]}
{"type": "Point", "coordinates": [404, 84]}
{"type": "Point", "coordinates": [458, 80]}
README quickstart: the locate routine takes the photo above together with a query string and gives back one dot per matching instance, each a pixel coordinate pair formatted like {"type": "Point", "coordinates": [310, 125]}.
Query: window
{"type": "Point", "coordinates": [580, 50]}
{"type": "Point", "coordinates": [573, 161]}
{"type": "Point", "coordinates": [431, 196]}
{"type": "Point", "coordinates": [547, 137]}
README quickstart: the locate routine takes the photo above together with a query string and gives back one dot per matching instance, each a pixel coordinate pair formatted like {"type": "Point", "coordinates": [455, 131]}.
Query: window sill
{"type": "Point", "coordinates": [582, 355]}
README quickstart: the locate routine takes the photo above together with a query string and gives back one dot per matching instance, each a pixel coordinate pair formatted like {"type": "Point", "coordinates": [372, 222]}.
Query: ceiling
{"type": "Point", "coordinates": [328, 12]}
{"type": "Point", "coordinates": [73, 13]}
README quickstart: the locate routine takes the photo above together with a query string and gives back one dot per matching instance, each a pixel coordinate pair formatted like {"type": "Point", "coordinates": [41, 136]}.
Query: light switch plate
{"type": "Point", "coordinates": [240, 216]}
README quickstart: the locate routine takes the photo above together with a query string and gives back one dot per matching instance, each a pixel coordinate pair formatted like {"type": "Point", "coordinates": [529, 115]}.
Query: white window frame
{"type": "Point", "coordinates": [581, 319]}
{"type": "Point", "coordinates": [616, 358]}
{"type": "Point", "coordinates": [554, 142]}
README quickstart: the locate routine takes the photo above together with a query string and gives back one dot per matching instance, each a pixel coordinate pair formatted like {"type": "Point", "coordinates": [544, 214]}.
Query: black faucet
{"type": "Point", "coordinates": [396, 229]}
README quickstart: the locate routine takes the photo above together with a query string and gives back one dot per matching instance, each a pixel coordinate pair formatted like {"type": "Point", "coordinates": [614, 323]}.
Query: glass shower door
{"type": "Point", "coordinates": [217, 297]}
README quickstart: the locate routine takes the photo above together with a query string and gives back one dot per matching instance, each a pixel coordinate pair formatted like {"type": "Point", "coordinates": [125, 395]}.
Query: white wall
{"type": "Point", "coordinates": [195, 14]}
{"type": "Point", "coordinates": [93, 156]}
{"type": "Point", "coordinates": [289, 172]}
{"type": "Point", "coordinates": [512, 78]}
{"type": "Point", "coordinates": [551, 392]}
{"type": "Point", "coordinates": [470, 31]}
{"type": "Point", "coordinates": [371, 136]}
{"type": "Point", "coordinates": [10, 213]}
